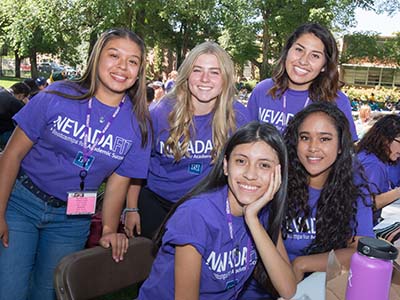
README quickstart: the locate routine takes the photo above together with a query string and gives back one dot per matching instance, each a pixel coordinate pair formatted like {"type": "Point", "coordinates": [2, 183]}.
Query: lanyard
{"type": "Point", "coordinates": [229, 220]}
{"type": "Point", "coordinates": [285, 105]}
{"type": "Point", "coordinates": [87, 151]}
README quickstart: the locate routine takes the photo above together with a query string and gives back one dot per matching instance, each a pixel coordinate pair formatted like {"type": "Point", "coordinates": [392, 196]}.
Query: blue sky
{"type": "Point", "coordinates": [383, 24]}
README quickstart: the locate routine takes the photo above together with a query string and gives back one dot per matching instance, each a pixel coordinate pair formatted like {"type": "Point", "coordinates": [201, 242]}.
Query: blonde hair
{"type": "Point", "coordinates": [181, 117]}
{"type": "Point", "coordinates": [365, 113]}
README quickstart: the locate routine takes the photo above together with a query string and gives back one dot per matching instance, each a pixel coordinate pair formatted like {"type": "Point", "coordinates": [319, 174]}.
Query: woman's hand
{"type": "Point", "coordinates": [4, 232]}
{"type": "Point", "coordinates": [132, 223]}
{"type": "Point", "coordinates": [118, 243]}
{"type": "Point", "coordinates": [274, 184]}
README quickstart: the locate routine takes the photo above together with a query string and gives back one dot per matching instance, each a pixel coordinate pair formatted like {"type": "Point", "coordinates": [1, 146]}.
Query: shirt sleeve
{"type": "Point", "coordinates": [344, 105]}
{"type": "Point", "coordinates": [377, 178]}
{"type": "Point", "coordinates": [242, 114]}
{"type": "Point", "coordinates": [187, 226]}
{"type": "Point", "coordinates": [252, 105]}
{"type": "Point", "coordinates": [364, 218]}
{"type": "Point", "coordinates": [136, 162]}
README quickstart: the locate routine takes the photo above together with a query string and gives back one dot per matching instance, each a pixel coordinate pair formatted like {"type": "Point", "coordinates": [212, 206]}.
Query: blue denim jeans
{"type": "Point", "coordinates": [39, 236]}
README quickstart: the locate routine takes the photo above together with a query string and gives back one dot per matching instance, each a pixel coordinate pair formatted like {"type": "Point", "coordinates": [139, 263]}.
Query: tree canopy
{"type": "Point", "coordinates": [250, 30]}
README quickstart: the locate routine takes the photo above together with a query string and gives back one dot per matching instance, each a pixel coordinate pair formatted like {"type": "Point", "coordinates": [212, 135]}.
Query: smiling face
{"type": "Point", "coordinates": [318, 147]}
{"type": "Point", "coordinates": [118, 69]}
{"type": "Point", "coordinates": [394, 148]}
{"type": "Point", "coordinates": [304, 61]}
{"type": "Point", "coordinates": [205, 83]}
{"type": "Point", "coordinates": [248, 170]}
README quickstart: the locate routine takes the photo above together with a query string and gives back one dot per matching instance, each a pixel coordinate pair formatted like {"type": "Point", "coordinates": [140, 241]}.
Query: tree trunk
{"type": "Point", "coordinates": [140, 22]}
{"type": "Point", "coordinates": [17, 64]}
{"type": "Point", "coordinates": [92, 41]}
{"type": "Point", "coordinates": [265, 68]}
{"type": "Point", "coordinates": [179, 43]}
{"type": "Point", "coordinates": [33, 62]}
{"type": "Point", "coordinates": [170, 58]}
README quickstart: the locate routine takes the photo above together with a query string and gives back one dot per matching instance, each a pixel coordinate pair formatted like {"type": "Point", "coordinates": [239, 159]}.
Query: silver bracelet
{"type": "Point", "coordinates": [132, 209]}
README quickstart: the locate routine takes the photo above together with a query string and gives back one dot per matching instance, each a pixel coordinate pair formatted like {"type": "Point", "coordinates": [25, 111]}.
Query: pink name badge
{"type": "Point", "coordinates": [81, 203]}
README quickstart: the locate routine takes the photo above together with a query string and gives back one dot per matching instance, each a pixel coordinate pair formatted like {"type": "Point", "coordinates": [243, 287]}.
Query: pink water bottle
{"type": "Point", "coordinates": [371, 270]}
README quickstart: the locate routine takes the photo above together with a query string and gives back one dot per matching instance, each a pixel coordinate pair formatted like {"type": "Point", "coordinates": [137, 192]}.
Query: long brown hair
{"type": "Point", "coordinates": [326, 85]}
{"type": "Point", "coordinates": [89, 81]}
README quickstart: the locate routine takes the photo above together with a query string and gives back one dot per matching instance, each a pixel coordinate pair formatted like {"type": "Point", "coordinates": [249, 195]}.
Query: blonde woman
{"type": "Point", "coordinates": [191, 125]}
{"type": "Point", "coordinates": [364, 122]}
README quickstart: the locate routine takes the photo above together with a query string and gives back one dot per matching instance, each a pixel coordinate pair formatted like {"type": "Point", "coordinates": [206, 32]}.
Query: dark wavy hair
{"type": "Point", "coordinates": [378, 138]}
{"type": "Point", "coordinates": [90, 78]}
{"type": "Point", "coordinates": [326, 85]}
{"type": "Point", "coordinates": [252, 132]}
{"type": "Point", "coordinates": [337, 205]}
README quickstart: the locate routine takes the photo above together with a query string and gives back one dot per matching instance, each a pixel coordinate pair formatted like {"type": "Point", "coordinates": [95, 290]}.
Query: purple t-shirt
{"type": "Point", "coordinates": [264, 108]}
{"type": "Point", "coordinates": [56, 126]}
{"type": "Point", "coordinates": [297, 241]}
{"type": "Point", "coordinates": [202, 222]}
{"type": "Point", "coordinates": [170, 179]}
{"type": "Point", "coordinates": [394, 174]}
{"type": "Point", "coordinates": [376, 172]}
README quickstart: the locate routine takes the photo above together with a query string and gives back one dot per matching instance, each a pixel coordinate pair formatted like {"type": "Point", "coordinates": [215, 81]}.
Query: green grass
{"type": "Point", "coordinates": [9, 81]}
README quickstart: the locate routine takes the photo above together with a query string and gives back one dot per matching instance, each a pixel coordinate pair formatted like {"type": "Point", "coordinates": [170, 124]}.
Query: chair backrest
{"type": "Point", "coordinates": [92, 272]}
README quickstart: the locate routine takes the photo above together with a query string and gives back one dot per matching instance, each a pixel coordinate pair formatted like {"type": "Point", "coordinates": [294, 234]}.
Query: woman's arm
{"type": "Point", "coordinates": [318, 262]}
{"type": "Point", "coordinates": [275, 261]}
{"type": "Point", "coordinates": [187, 273]}
{"type": "Point", "coordinates": [132, 219]}
{"type": "Point", "coordinates": [274, 258]}
{"type": "Point", "coordinates": [114, 200]}
{"type": "Point", "coordinates": [386, 198]}
{"type": "Point", "coordinates": [16, 149]}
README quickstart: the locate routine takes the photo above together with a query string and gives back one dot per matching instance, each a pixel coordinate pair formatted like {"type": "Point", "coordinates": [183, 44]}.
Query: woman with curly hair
{"type": "Point", "coordinates": [191, 125]}
{"type": "Point", "coordinates": [378, 151]}
{"type": "Point", "coordinates": [306, 71]}
{"type": "Point", "coordinates": [329, 205]}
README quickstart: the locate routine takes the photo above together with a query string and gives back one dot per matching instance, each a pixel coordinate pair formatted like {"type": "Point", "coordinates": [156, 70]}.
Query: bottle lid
{"type": "Point", "coordinates": [377, 248]}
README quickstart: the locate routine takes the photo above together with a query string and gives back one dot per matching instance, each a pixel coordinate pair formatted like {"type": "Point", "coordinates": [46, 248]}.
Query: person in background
{"type": "Point", "coordinates": [41, 83]}
{"type": "Point", "coordinates": [171, 81]}
{"type": "Point", "coordinates": [365, 120]}
{"type": "Point", "coordinates": [191, 125]}
{"type": "Point", "coordinates": [11, 101]}
{"type": "Point", "coordinates": [306, 72]}
{"type": "Point", "coordinates": [379, 150]}
{"type": "Point", "coordinates": [212, 239]}
{"type": "Point", "coordinates": [81, 133]}
{"type": "Point", "coordinates": [149, 95]}
{"type": "Point", "coordinates": [56, 76]}
{"type": "Point", "coordinates": [329, 206]}
{"type": "Point", "coordinates": [33, 87]}
{"type": "Point", "coordinates": [159, 92]}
